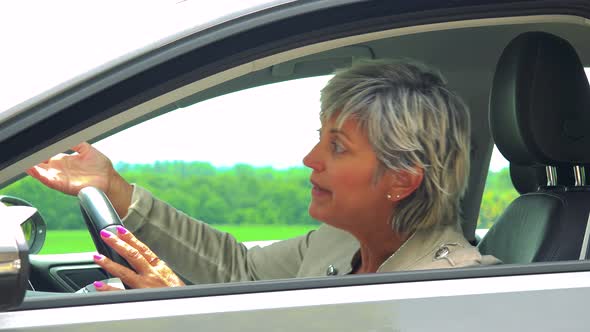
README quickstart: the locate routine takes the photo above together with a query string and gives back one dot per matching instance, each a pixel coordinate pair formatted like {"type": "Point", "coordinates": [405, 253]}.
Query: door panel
{"type": "Point", "coordinates": [488, 304]}
{"type": "Point", "coordinates": [63, 273]}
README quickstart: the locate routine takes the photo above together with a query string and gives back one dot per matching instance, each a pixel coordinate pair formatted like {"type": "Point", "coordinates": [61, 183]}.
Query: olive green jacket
{"type": "Point", "coordinates": [203, 254]}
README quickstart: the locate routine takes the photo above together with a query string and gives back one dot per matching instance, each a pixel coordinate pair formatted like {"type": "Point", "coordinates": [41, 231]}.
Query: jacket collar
{"type": "Point", "coordinates": [423, 244]}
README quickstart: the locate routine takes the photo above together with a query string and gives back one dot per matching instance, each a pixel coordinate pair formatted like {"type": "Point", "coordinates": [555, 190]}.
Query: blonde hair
{"type": "Point", "coordinates": [412, 121]}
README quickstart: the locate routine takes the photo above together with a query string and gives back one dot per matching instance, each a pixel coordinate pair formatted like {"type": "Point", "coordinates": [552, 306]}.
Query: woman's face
{"type": "Point", "coordinates": [344, 193]}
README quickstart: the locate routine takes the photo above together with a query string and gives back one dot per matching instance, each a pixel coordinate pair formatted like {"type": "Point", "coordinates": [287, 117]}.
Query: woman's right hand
{"type": "Point", "coordinates": [87, 167]}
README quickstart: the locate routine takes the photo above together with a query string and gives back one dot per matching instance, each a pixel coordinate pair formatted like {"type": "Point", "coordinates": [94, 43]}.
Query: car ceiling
{"type": "Point", "coordinates": [467, 58]}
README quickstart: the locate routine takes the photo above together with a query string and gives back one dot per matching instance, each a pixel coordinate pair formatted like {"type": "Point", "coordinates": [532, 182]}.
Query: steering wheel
{"type": "Point", "coordinates": [99, 214]}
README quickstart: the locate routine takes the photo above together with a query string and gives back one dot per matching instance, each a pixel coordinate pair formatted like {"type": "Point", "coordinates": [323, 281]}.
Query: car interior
{"type": "Point", "coordinates": [524, 82]}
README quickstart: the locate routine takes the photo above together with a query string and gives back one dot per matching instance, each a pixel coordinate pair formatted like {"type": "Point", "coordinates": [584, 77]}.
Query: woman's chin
{"type": "Point", "coordinates": [317, 213]}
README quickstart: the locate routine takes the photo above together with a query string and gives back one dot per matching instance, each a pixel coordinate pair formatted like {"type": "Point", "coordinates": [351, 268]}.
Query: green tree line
{"type": "Point", "coordinates": [224, 196]}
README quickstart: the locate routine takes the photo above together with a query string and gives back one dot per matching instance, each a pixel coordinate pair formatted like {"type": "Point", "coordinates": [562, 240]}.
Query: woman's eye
{"type": "Point", "coordinates": [337, 147]}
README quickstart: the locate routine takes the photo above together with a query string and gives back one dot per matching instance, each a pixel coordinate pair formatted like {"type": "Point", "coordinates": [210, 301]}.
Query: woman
{"type": "Point", "coordinates": [388, 174]}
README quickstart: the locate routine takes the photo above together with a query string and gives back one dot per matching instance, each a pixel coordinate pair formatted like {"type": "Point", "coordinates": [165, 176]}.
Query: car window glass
{"type": "Point", "coordinates": [498, 193]}
{"type": "Point", "coordinates": [228, 169]}
{"type": "Point", "coordinates": [234, 161]}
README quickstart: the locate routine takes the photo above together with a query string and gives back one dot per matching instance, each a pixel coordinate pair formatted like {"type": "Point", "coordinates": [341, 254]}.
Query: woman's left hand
{"type": "Point", "coordinates": [150, 271]}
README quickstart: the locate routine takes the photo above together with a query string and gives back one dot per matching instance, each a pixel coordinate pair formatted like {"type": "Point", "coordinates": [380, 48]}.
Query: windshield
{"type": "Point", "coordinates": [46, 43]}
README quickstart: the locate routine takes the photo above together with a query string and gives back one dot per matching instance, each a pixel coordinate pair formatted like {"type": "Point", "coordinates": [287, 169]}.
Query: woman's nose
{"type": "Point", "coordinates": [313, 160]}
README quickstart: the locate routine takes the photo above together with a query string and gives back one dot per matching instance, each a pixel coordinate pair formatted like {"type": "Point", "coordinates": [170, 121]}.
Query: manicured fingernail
{"type": "Point", "coordinates": [105, 234]}
{"type": "Point", "coordinates": [121, 230]}
{"type": "Point", "coordinates": [98, 257]}
{"type": "Point", "coordinates": [98, 284]}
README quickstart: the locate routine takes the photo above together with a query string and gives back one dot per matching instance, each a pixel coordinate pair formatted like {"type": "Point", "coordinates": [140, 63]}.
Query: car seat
{"type": "Point", "coordinates": [540, 117]}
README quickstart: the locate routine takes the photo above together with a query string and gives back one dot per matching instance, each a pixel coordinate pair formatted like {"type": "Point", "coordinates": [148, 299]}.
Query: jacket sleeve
{"type": "Point", "coordinates": [202, 254]}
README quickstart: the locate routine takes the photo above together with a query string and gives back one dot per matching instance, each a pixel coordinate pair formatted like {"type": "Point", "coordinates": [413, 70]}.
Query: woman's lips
{"type": "Point", "coordinates": [317, 191]}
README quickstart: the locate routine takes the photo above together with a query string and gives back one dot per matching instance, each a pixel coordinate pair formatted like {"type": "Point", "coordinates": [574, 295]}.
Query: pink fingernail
{"type": "Point", "coordinates": [98, 284]}
{"type": "Point", "coordinates": [121, 230]}
{"type": "Point", "coordinates": [105, 234]}
{"type": "Point", "coordinates": [98, 257]}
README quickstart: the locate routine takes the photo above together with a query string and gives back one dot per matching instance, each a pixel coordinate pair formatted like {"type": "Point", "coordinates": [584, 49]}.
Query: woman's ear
{"type": "Point", "coordinates": [404, 183]}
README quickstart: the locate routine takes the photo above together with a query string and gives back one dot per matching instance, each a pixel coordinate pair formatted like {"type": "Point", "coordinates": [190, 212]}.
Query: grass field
{"type": "Point", "coordinates": [59, 242]}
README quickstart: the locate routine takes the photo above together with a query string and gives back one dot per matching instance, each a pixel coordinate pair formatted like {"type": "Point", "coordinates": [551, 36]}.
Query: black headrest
{"type": "Point", "coordinates": [540, 102]}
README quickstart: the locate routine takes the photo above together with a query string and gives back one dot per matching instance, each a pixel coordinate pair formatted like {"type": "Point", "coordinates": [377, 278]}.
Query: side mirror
{"type": "Point", "coordinates": [14, 255]}
{"type": "Point", "coordinates": [33, 226]}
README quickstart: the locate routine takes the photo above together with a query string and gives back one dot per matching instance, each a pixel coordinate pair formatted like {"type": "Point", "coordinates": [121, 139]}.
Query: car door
{"type": "Point", "coordinates": [286, 42]}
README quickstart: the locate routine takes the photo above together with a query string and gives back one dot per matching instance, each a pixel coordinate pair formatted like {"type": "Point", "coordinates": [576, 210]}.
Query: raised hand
{"type": "Point", "coordinates": [150, 271]}
{"type": "Point", "coordinates": [86, 167]}
{"type": "Point", "coordinates": [70, 173]}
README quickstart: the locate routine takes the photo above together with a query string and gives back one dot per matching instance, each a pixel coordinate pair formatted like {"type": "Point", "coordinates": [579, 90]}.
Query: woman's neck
{"type": "Point", "coordinates": [376, 247]}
